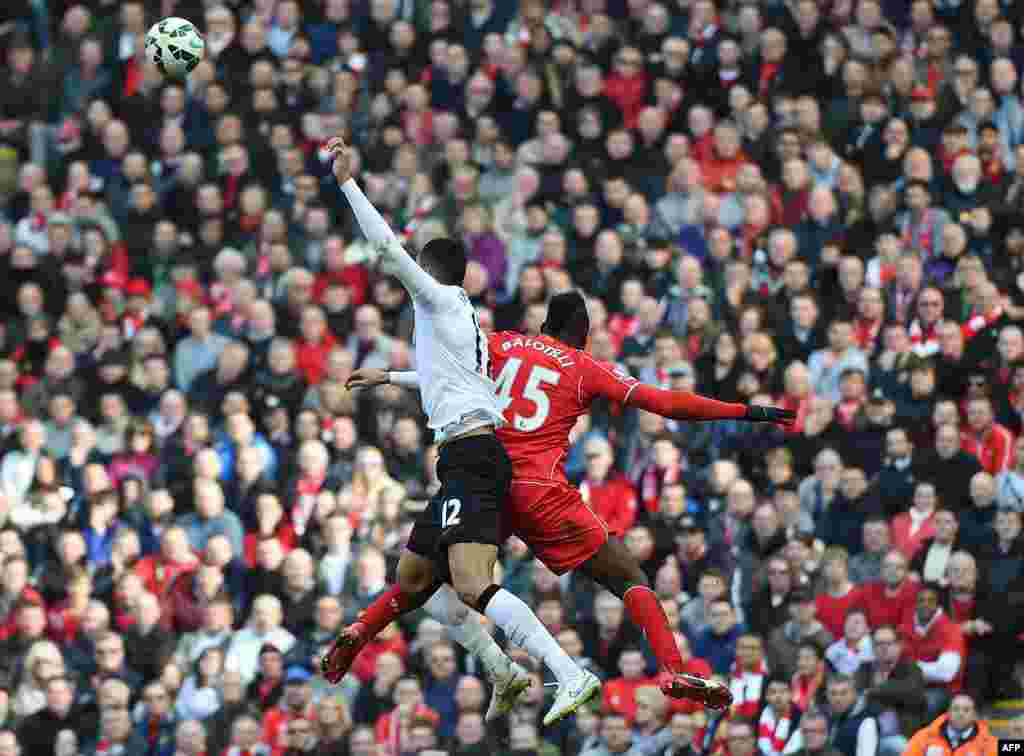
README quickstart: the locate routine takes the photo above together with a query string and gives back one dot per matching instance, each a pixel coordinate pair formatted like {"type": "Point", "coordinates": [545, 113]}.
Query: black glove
{"type": "Point", "coordinates": [758, 414]}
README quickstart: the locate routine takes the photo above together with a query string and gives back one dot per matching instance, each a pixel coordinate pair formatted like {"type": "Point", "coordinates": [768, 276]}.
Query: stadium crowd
{"type": "Point", "coordinates": [812, 203]}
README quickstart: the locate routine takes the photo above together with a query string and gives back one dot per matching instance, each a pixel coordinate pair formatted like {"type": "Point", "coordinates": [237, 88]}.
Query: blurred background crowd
{"type": "Point", "coordinates": [814, 203]}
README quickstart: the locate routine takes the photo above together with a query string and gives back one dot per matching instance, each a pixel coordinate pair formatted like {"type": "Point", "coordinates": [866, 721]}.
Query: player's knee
{"type": "Point", "coordinates": [469, 586]}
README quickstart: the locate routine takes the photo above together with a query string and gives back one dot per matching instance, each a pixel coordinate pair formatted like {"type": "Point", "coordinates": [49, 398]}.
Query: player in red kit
{"type": "Point", "coordinates": [544, 383]}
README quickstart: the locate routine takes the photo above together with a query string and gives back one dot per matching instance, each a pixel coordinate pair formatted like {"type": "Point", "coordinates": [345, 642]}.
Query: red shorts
{"type": "Point", "coordinates": [554, 521]}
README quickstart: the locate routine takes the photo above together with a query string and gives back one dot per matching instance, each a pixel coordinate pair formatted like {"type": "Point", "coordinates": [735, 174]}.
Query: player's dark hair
{"type": "Point", "coordinates": [568, 320]}
{"type": "Point", "coordinates": [447, 260]}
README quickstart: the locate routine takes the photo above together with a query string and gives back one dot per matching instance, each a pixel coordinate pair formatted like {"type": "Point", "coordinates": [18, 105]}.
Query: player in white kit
{"type": "Point", "coordinates": [455, 540]}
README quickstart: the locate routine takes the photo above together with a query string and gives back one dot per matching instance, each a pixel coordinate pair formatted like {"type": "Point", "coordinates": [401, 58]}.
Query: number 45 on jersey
{"type": "Point", "coordinates": [533, 392]}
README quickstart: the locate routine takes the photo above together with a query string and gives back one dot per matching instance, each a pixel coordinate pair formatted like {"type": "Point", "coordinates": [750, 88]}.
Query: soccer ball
{"type": "Point", "coordinates": [175, 46]}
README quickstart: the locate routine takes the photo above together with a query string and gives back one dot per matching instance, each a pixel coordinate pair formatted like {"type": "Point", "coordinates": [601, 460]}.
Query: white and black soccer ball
{"type": "Point", "coordinates": [175, 46]}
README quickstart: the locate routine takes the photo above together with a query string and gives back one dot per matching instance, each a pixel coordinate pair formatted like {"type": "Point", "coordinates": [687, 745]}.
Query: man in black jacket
{"type": "Point", "coordinates": [38, 733]}
{"type": "Point", "coordinates": [770, 607]}
{"type": "Point", "coordinates": [148, 646]}
{"type": "Point", "coordinates": [895, 481]}
{"type": "Point", "coordinates": [802, 332]}
{"type": "Point", "coordinates": [894, 687]}
{"type": "Point", "coordinates": [949, 468]}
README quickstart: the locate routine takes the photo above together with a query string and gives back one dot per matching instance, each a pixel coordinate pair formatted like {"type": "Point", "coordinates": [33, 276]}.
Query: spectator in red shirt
{"type": "Point", "coordinates": [187, 598]}
{"type": "Point", "coordinates": [627, 84]}
{"type": "Point", "coordinates": [315, 343]}
{"type": "Point", "coordinates": [915, 526]}
{"type": "Point", "coordinates": [986, 439]}
{"type": "Point", "coordinates": [936, 644]}
{"type": "Point", "coordinates": [726, 159]}
{"type": "Point", "coordinates": [620, 692]}
{"type": "Point", "coordinates": [839, 594]}
{"type": "Point", "coordinates": [607, 491]}
{"type": "Point", "coordinates": [335, 271]}
{"type": "Point", "coordinates": [271, 523]}
{"type": "Point", "coordinates": [62, 620]}
{"type": "Point", "coordinates": [387, 640]}
{"type": "Point", "coordinates": [159, 571]}
{"type": "Point", "coordinates": [392, 730]}
{"type": "Point", "coordinates": [14, 588]}
{"type": "Point", "coordinates": [891, 600]}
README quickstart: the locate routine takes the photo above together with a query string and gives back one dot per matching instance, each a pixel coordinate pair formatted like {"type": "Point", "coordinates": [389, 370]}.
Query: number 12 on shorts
{"type": "Point", "coordinates": [450, 513]}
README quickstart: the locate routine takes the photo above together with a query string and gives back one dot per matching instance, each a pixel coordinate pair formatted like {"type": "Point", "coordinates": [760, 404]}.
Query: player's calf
{"type": "Point", "coordinates": [616, 569]}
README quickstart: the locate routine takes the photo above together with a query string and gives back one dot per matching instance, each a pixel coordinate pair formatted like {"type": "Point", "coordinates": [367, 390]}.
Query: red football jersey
{"type": "Point", "coordinates": [543, 386]}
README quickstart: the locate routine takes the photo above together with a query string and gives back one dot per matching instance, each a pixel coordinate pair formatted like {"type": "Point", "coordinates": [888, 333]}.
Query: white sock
{"type": "Point", "coordinates": [447, 608]}
{"type": "Point", "coordinates": [522, 628]}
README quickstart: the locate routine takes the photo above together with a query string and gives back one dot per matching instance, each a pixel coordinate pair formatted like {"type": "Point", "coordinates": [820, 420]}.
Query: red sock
{"type": "Point", "coordinates": [389, 606]}
{"type": "Point", "coordinates": [645, 610]}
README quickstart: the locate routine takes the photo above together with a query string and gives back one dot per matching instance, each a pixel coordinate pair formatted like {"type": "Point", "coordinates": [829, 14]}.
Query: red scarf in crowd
{"type": "Point", "coordinates": [846, 412]}
{"type": "Point", "coordinates": [805, 688]}
{"type": "Point", "coordinates": [866, 333]}
{"type": "Point", "coordinates": [920, 235]}
{"type": "Point", "coordinates": [746, 687]}
{"type": "Point", "coordinates": [653, 481]}
{"type": "Point", "coordinates": [773, 732]}
{"type": "Point", "coordinates": [768, 71]}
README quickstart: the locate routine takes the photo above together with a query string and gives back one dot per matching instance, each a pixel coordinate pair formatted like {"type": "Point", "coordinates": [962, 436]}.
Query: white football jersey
{"type": "Point", "coordinates": [450, 349]}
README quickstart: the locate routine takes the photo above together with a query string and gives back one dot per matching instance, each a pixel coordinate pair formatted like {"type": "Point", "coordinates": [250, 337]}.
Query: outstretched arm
{"type": "Point", "coordinates": [420, 284]}
{"type": "Point", "coordinates": [365, 378]}
{"type": "Point", "coordinates": [682, 405]}
{"type": "Point", "coordinates": [605, 380]}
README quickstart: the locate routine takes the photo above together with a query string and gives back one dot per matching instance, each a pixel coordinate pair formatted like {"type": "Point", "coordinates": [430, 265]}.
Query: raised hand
{"type": "Point", "coordinates": [342, 156]}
